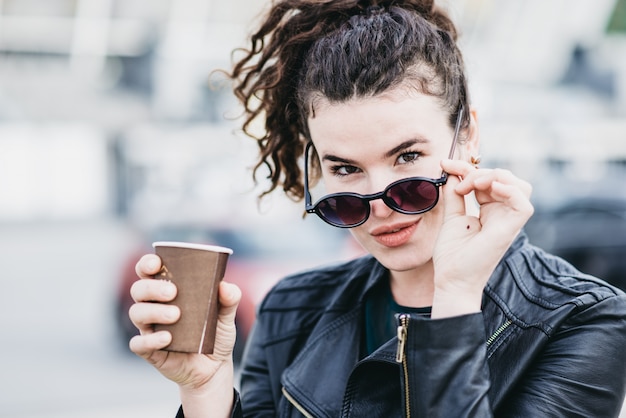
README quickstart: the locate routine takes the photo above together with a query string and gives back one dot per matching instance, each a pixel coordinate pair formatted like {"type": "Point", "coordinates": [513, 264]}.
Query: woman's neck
{"type": "Point", "coordinates": [413, 288]}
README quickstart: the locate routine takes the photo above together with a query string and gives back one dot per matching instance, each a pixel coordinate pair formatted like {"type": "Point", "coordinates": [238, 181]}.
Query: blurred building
{"type": "Point", "coordinates": [107, 107]}
{"type": "Point", "coordinates": [93, 91]}
{"type": "Point", "coordinates": [549, 79]}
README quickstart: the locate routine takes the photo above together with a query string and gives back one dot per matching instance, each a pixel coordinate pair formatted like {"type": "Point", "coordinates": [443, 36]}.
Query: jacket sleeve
{"type": "Point", "coordinates": [445, 369]}
{"type": "Point", "coordinates": [236, 412]}
{"type": "Point", "coordinates": [256, 380]}
{"type": "Point", "coordinates": [582, 370]}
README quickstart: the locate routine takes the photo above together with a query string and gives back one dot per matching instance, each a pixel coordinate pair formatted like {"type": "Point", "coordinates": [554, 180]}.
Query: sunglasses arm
{"type": "Point", "coordinates": [307, 193]}
{"type": "Point", "coordinates": [457, 129]}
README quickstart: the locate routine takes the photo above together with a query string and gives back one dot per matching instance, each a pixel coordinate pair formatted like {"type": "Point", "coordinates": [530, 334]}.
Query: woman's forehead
{"type": "Point", "coordinates": [318, 102]}
{"type": "Point", "coordinates": [378, 121]}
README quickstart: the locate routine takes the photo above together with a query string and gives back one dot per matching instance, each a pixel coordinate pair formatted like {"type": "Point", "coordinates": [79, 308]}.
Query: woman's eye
{"type": "Point", "coordinates": [408, 157]}
{"type": "Point", "coordinates": [343, 170]}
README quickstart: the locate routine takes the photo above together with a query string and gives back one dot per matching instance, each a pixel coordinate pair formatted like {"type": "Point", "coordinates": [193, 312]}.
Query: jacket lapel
{"type": "Point", "coordinates": [317, 377]}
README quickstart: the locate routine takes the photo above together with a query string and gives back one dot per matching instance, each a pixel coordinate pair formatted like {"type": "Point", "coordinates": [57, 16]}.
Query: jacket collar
{"type": "Point", "coordinates": [331, 350]}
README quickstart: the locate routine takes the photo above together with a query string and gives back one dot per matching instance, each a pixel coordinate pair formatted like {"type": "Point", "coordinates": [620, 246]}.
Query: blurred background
{"type": "Point", "coordinates": [113, 134]}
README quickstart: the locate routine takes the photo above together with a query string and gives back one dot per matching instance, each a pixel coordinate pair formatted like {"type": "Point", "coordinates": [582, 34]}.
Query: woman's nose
{"type": "Point", "coordinates": [379, 209]}
{"type": "Point", "coordinates": [378, 182]}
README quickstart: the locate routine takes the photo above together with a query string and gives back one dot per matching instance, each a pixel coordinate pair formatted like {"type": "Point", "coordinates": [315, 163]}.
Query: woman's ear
{"type": "Point", "coordinates": [472, 143]}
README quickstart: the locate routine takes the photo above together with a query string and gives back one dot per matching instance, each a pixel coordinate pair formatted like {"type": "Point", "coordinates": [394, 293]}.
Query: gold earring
{"type": "Point", "coordinates": [475, 161]}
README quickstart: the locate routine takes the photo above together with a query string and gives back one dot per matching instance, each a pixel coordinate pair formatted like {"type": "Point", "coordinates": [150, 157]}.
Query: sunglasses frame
{"type": "Point", "coordinates": [314, 208]}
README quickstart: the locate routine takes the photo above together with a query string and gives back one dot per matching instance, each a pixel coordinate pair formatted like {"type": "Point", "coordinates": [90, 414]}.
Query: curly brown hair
{"type": "Point", "coordinates": [338, 50]}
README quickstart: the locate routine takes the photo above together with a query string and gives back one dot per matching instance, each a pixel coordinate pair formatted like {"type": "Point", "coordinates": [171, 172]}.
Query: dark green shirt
{"type": "Point", "coordinates": [380, 316]}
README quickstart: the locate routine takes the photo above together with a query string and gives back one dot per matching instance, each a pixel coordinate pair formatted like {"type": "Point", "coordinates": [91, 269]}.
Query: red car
{"type": "Point", "coordinates": [261, 257]}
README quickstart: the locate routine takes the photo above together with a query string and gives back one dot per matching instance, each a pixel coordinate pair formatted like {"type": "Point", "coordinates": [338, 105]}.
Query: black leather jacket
{"type": "Point", "coordinates": [549, 342]}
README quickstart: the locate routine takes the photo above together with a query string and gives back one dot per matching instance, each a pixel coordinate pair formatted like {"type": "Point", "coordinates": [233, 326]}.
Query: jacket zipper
{"type": "Point", "coordinates": [295, 403]}
{"type": "Point", "coordinates": [400, 358]}
{"type": "Point", "coordinates": [497, 332]}
{"type": "Point", "coordinates": [401, 352]}
{"type": "Point", "coordinates": [403, 328]}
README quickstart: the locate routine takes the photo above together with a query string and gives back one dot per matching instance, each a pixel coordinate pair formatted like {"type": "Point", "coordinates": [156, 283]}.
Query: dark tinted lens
{"type": "Point", "coordinates": [413, 195]}
{"type": "Point", "coordinates": [343, 210]}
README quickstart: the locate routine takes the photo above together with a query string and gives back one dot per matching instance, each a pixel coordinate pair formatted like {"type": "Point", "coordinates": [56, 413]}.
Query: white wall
{"type": "Point", "coordinates": [52, 172]}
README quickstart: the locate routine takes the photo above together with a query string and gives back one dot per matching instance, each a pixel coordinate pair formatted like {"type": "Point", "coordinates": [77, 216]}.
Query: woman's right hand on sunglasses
{"type": "Point", "coordinates": [198, 375]}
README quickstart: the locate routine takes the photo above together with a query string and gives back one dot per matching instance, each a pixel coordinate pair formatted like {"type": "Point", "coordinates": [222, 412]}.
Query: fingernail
{"type": "Point", "coordinates": [168, 289]}
{"type": "Point", "coordinates": [228, 294]}
{"type": "Point", "coordinates": [171, 313]}
{"type": "Point", "coordinates": [164, 337]}
{"type": "Point", "coordinates": [153, 264]}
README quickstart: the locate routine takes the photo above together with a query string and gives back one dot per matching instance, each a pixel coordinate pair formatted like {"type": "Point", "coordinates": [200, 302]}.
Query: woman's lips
{"type": "Point", "coordinates": [396, 236]}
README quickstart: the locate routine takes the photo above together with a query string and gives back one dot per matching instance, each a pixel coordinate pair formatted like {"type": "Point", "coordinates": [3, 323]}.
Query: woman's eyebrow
{"type": "Point", "coordinates": [400, 147]}
{"type": "Point", "coordinates": [336, 159]}
{"type": "Point", "coordinates": [404, 145]}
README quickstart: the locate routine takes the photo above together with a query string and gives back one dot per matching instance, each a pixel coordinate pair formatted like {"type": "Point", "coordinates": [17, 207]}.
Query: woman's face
{"type": "Point", "coordinates": [364, 145]}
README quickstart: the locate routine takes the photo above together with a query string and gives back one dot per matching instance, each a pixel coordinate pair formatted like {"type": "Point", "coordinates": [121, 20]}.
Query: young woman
{"type": "Point", "coordinates": [453, 313]}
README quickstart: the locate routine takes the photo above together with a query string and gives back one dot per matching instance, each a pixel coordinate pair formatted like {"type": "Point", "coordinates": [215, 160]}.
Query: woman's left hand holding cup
{"type": "Point", "coordinates": [204, 380]}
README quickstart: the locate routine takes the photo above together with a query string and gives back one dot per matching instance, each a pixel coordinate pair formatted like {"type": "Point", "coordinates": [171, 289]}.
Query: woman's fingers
{"type": "Point", "coordinates": [489, 184]}
{"type": "Point", "coordinates": [148, 266]}
{"type": "Point", "coordinates": [146, 345]}
{"type": "Point", "coordinates": [500, 187]}
{"type": "Point", "coordinates": [483, 179]}
{"type": "Point", "coordinates": [513, 195]}
{"type": "Point", "coordinates": [144, 315]}
{"type": "Point", "coordinates": [457, 168]}
{"type": "Point", "coordinates": [230, 296]}
{"type": "Point", "coordinates": [150, 308]}
{"type": "Point", "coordinates": [504, 199]}
{"type": "Point", "coordinates": [152, 290]}
{"type": "Point", "coordinates": [454, 203]}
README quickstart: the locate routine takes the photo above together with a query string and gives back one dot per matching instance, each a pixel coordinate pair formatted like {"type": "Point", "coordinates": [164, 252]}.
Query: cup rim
{"type": "Point", "coordinates": [192, 246]}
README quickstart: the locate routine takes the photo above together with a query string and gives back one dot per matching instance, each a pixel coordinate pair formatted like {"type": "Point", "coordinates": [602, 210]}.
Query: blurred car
{"type": "Point", "coordinates": [262, 256]}
{"type": "Point", "coordinates": [589, 232]}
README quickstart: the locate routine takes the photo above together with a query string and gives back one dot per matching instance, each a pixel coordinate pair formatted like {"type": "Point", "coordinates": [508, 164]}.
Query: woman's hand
{"type": "Point", "coordinates": [204, 380]}
{"type": "Point", "coordinates": [470, 246]}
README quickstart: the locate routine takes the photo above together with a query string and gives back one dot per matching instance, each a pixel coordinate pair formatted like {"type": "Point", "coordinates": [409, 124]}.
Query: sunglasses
{"type": "Point", "coordinates": [410, 196]}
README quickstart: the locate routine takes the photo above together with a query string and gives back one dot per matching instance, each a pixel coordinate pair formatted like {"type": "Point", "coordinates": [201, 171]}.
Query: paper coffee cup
{"type": "Point", "coordinates": [197, 271]}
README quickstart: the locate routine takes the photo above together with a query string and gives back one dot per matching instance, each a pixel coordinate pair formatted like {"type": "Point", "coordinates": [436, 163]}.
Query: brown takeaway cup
{"type": "Point", "coordinates": [197, 271]}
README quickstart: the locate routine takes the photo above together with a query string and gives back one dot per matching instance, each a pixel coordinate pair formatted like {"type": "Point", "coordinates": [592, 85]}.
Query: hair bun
{"type": "Point", "coordinates": [375, 9]}
{"type": "Point", "coordinates": [337, 48]}
{"type": "Point", "coordinates": [425, 8]}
